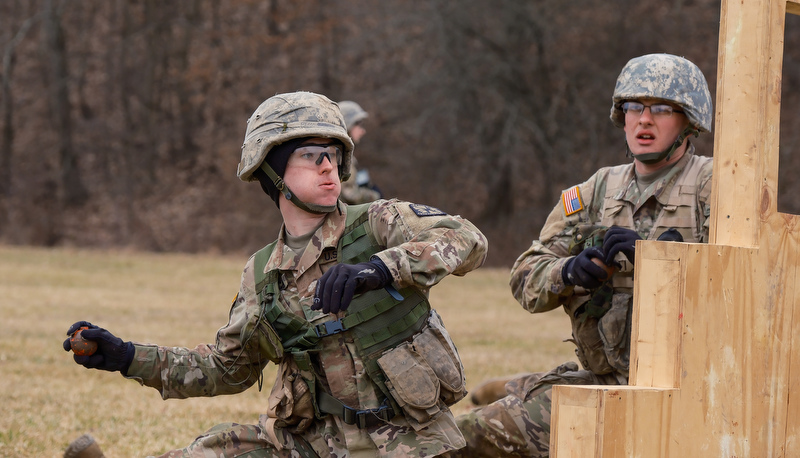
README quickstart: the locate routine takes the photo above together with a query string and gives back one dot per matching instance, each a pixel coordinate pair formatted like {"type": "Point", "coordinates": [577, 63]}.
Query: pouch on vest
{"type": "Point", "coordinates": [259, 340]}
{"type": "Point", "coordinates": [290, 402]}
{"type": "Point", "coordinates": [259, 334]}
{"type": "Point", "coordinates": [586, 236]}
{"type": "Point", "coordinates": [615, 332]}
{"type": "Point", "coordinates": [425, 376]}
{"type": "Point", "coordinates": [585, 318]}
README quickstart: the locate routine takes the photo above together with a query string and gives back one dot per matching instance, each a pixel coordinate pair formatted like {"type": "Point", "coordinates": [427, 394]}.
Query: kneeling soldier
{"type": "Point", "coordinates": [339, 301]}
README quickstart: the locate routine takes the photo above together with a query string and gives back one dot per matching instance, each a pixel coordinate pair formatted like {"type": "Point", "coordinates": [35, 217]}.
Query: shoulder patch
{"type": "Point", "coordinates": [424, 210]}
{"type": "Point", "coordinates": [571, 198]}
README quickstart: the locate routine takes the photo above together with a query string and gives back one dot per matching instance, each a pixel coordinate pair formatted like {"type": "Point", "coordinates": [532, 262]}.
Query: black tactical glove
{"type": "Point", "coordinates": [619, 240]}
{"type": "Point", "coordinates": [580, 270]}
{"type": "Point", "coordinates": [112, 353]}
{"type": "Point", "coordinates": [671, 235]}
{"type": "Point", "coordinates": [337, 286]}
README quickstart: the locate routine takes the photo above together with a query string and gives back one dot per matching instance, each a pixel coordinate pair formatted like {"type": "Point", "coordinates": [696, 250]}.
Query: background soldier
{"type": "Point", "coordinates": [360, 189]}
{"type": "Point", "coordinates": [339, 301]}
{"type": "Point", "coordinates": [584, 257]}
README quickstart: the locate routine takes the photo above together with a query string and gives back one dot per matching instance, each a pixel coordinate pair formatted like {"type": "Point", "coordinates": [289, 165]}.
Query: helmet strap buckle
{"type": "Point", "coordinates": [289, 195]}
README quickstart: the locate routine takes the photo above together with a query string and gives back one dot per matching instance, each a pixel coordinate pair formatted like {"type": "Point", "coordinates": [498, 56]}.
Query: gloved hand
{"type": "Point", "coordinates": [619, 240]}
{"type": "Point", "coordinates": [580, 270]}
{"type": "Point", "coordinates": [112, 353]}
{"type": "Point", "coordinates": [337, 286]}
{"type": "Point", "coordinates": [670, 235]}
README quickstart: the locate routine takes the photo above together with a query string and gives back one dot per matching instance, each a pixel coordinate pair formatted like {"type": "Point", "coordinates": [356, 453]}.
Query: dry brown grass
{"type": "Point", "coordinates": [181, 300]}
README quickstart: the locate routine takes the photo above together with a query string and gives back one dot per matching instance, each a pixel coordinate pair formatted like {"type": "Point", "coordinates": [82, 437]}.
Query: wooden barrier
{"type": "Point", "coordinates": [714, 340]}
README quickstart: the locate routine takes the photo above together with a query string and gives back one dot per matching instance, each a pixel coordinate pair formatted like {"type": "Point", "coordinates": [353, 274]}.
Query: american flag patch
{"type": "Point", "coordinates": [572, 200]}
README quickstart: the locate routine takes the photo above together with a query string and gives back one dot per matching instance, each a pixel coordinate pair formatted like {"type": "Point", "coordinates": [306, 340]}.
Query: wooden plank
{"type": "Point", "coordinates": [781, 296]}
{"type": "Point", "coordinates": [735, 362]}
{"type": "Point", "coordinates": [793, 7]}
{"type": "Point", "coordinates": [792, 440]}
{"type": "Point", "coordinates": [732, 349]}
{"type": "Point", "coordinates": [746, 141]}
{"type": "Point", "coordinates": [735, 365]}
{"type": "Point", "coordinates": [574, 428]}
{"type": "Point", "coordinates": [656, 321]}
{"type": "Point", "coordinates": [638, 416]}
{"type": "Point", "coordinates": [618, 421]}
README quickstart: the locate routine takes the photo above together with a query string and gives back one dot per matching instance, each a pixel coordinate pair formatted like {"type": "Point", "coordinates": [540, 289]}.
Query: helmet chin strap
{"type": "Point", "coordinates": [289, 195]}
{"type": "Point", "coordinates": [655, 158]}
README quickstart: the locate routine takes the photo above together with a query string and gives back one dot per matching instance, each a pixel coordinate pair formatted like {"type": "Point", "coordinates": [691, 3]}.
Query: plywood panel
{"type": "Point", "coordinates": [632, 421]}
{"type": "Point", "coordinates": [724, 333]}
{"type": "Point", "coordinates": [793, 7]}
{"type": "Point", "coordinates": [655, 343]}
{"type": "Point", "coordinates": [747, 104]}
{"type": "Point", "coordinates": [575, 422]}
{"type": "Point", "coordinates": [734, 359]}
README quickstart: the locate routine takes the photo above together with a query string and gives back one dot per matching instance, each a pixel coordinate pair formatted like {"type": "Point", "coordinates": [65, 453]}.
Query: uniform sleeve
{"type": "Point", "coordinates": [229, 366]}
{"type": "Point", "coordinates": [536, 280]}
{"type": "Point", "coordinates": [424, 243]}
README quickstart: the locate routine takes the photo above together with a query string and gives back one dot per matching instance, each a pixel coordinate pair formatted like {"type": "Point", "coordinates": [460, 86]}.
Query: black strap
{"type": "Point", "coordinates": [361, 418]}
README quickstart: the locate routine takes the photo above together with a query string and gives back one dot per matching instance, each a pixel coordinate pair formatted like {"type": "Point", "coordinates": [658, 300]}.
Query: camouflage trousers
{"type": "Point", "coordinates": [236, 440]}
{"type": "Point", "coordinates": [518, 425]}
{"type": "Point", "coordinates": [508, 427]}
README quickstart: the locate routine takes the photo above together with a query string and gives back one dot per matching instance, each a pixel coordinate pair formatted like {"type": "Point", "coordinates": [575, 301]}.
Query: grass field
{"type": "Point", "coordinates": [181, 300]}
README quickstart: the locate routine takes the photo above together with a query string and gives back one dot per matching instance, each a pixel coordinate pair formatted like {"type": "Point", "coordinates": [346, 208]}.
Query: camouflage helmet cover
{"type": "Point", "coordinates": [666, 77]}
{"type": "Point", "coordinates": [287, 116]}
{"type": "Point", "coordinates": [352, 112]}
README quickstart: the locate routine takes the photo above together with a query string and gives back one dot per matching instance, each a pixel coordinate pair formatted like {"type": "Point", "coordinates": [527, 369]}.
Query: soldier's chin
{"type": "Point", "coordinates": [327, 201]}
{"type": "Point", "coordinates": [647, 150]}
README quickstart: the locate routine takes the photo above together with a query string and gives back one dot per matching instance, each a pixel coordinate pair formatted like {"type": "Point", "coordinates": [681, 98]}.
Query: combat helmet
{"type": "Point", "coordinates": [289, 116]}
{"type": "Point", "coordinates": [666, 77]}
{"type": "Point", "coordinates": [352, 112]}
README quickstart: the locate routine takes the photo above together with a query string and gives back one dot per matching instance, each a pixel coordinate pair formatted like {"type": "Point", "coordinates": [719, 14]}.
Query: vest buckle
{"type": "Point", "coordinates": [329, 328]}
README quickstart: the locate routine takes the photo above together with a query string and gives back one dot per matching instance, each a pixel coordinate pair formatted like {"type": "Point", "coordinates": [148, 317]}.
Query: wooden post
{"type": "Point", "coordinates": [714, 340]}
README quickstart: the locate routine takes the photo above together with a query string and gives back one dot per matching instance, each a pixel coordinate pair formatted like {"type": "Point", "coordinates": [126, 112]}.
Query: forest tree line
{"type": "Point", "coordinates": [122, 120]}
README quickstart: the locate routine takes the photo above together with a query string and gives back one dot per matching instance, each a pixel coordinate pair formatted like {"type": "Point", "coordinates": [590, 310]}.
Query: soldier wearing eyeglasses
{"type": "Point", "coordinates": [584, 257]}
{"type": "Point", "coordinates": [339, 302]}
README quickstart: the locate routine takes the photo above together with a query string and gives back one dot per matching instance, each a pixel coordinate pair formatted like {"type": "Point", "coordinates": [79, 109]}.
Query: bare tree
{"type": "Point", "coordinates": [486, 109]}
{"type": "Point", "coordinates": [73, 192]}
{"type": "Point", "coordinates": [7, 104]}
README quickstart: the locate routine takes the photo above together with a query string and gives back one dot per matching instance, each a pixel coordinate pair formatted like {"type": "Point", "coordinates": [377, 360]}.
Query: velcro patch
{"type": "Point", "coordinates": [424, 210]}
{"type": "Point", "coordinates": [571, 198]}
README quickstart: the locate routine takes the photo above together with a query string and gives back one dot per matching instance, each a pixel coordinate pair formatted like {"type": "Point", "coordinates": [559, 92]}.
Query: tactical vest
{"type": "Point", "coordinates": [601, 319]}
{"type": "Point", "coordinates": [377, 321]}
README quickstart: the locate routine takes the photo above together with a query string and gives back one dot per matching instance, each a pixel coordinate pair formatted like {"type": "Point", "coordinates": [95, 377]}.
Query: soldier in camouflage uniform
{"type": "Point", "coordinates": [360, 189]}
{"type": "Point", "coordinates": [339, 301]}
{"type": "Point", "coordinates": [584, 257]}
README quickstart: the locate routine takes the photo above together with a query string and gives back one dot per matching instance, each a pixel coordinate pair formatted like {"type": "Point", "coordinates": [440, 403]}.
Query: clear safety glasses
{"type": "Point", "coordinates": [657, 110]}
{"type": "Point", "coordinates": [312, 155]}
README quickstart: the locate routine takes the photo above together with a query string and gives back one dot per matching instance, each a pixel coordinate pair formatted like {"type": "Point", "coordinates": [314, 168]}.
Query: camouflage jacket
{"type": "Point", "coordinates": [611, 197]}
{"type": "Point", "coordinates": [678, 199]}
{"type": "Point", "coordinates": [418, 255]}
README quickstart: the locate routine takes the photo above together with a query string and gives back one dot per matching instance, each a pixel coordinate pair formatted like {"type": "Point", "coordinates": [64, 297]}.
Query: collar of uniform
{"type": "Point", "coordinates": [327, 236]}
{"type": "Point", "coordinates": [662, 188]}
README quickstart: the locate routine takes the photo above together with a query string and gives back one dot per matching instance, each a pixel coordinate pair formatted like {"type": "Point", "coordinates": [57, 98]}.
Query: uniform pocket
{"type": "Point", "coordinates": [615, 332]}
{"type": "Point", "coordinates": [435, 345]}
{"type": "Point", "coordinates": [412, 383]}
{"type": "Point", "coordinates": [586, 337]}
